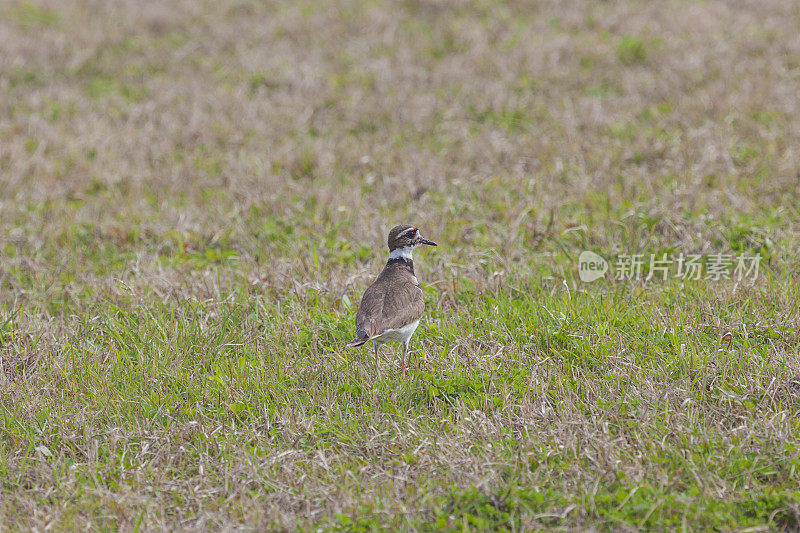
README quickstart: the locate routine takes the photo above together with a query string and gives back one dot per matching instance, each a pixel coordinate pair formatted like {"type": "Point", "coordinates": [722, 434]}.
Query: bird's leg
{"type": "Point", "coordinates": [377, 348]}
{"type": "Point", "coordinates": [403, 358]}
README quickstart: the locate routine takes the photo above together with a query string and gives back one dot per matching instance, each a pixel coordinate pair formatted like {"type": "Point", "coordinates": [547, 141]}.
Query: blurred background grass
{"type": "Point", "coordinates": [190, 134]}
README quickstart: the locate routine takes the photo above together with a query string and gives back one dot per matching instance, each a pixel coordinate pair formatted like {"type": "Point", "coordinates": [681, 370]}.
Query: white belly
{"type": "Point", "coordinates": [400, 334]}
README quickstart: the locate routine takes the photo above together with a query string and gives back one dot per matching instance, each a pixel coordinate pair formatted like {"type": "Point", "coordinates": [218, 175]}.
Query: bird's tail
{"type": "Point", "coordinates": [355, 343]}
{"type": "Point", "coordinates": [360, 340]}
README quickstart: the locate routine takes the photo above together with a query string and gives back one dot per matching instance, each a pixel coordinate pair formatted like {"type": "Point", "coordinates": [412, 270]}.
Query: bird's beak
{"type": "Point", "coordinates": [426, 241]}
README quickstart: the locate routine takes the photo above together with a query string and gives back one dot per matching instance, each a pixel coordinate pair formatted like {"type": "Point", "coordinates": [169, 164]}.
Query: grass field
{"type": "Point", "coordinates": [195, 195]}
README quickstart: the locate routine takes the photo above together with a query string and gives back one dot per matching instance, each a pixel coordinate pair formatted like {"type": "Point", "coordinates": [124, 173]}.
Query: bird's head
{"type": "Point", "coordinates": [406, 237]}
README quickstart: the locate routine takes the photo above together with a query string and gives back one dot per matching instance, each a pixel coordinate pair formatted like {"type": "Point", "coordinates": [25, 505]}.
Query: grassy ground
{"type": "Point", "coordinates": [195, 195]}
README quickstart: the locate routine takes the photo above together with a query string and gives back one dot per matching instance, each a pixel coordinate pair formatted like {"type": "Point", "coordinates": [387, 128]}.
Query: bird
{"type": "Point", "coordinates": [392, 306]}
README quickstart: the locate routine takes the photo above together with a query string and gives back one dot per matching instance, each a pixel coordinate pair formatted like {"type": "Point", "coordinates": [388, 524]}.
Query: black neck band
{"type": "Point", "coordinates": [408, 262]}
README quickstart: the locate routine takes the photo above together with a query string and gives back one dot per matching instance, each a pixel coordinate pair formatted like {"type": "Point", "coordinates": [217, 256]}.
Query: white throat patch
{"type": "Point", "coordinates": [406, 252]}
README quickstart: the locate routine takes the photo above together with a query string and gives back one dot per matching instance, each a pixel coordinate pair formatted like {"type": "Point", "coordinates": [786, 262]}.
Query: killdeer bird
{"type": "Point", "coordinates": [392, 306]}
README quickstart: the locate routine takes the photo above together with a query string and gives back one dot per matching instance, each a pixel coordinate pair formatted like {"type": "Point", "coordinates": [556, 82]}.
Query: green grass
{"type": "Point", "coordinates": [590, 407]}
{"type": "Point", "coordinates": [196, 196]}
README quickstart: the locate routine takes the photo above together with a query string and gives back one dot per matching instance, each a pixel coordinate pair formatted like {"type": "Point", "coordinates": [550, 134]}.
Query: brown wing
{"type": "Point", "coordinates": [404, 304]}
{"type": "Point", "coordinates": [389, 304]}
{"type": "Point", "coordinates": [370, 312]}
